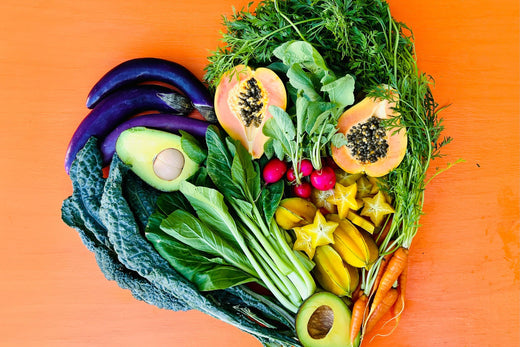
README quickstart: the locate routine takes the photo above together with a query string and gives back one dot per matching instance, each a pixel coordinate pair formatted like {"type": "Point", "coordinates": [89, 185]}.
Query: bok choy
{"type": "Point", "coordinates": [227, 219]}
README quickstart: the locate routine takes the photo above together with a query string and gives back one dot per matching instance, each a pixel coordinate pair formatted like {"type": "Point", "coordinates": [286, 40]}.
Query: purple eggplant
{"type": "Point", "coordinates": [160, 121]}
{"type": "Point", "coordinates": [155, 70]}
{"type": "Point", "coordinates": [119, 106]}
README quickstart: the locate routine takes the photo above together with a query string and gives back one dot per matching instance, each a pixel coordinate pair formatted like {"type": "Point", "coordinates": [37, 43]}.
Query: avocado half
{"type": "Point", "coordinates": [323, 320]}
{"type": "Point", "coordinates": [155, 156]}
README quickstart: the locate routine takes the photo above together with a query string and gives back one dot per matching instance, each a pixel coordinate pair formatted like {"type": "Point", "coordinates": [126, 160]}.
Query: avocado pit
{"type": "Point", "coordinates": [168, 164]}
{"type": "Point", "coordinates": [320, 322]}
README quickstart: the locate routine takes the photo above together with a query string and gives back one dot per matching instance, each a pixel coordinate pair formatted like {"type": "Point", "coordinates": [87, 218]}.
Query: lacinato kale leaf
{"type": "Point", "coordinates": [87, 183]}
{"type": "Point", "coordinates": [108, 215]}
{"type": "Point", "coordinates": [77, 210]}
{"type": "Point", "coordinates": [140, 197]}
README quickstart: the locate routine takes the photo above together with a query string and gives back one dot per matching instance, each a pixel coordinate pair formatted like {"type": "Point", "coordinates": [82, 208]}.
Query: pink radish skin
{"type": "Point", "coordinates": [274, 170]}
{"type": "Point", "coordinates": [291, 177]}
{"type": "Point", "coordinates": [303, 190]}
{"type": "Point", "coordinates": [306, 167]}
{"type": "Point", "coordinates": [323, 179]}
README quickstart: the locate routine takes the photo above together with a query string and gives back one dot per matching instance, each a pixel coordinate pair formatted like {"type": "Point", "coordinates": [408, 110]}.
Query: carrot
{"type": "Point", "coordinates": [382, 267]}
{"type": "Point", "coordinates": [395, 266]}
{"type": "Point", "coordinates": [357, 292]}
{"type": "Point", "coordinates": [358, 315]}
{"type": "Point", "coordinates": [398, 307]}
{"type": "Point", "coordinates": [381, 309]}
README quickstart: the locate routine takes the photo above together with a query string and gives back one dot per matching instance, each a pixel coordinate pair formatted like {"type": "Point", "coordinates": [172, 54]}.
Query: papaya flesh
{"type": "Point", "coordinates": [371, 148]}
{"type": "Point", "coordinates": [242, 100]}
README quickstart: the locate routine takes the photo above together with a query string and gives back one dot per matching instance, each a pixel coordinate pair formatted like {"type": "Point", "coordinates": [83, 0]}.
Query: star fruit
{"type": "Point", "coordinates": [344, 198]}
{"type": "Point", "coordinates": [318, 233]}
{"type": "Point", "coordinates": [376, 208]}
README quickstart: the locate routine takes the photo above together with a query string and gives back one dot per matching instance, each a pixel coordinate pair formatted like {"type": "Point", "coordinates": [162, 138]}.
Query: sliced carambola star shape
{"type": "Point", "coordinates": [376, 208]}
{"type": "Point", "coordinates": [344, 198]}
{"type": "Point", "coordinates": [320, 232]}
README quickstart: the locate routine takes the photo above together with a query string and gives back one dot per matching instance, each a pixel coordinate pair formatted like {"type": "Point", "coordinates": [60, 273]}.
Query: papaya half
{"type": "Point", "coordinates": [371, 148]}
{"type": "Point", "coordinates": [242, 101]}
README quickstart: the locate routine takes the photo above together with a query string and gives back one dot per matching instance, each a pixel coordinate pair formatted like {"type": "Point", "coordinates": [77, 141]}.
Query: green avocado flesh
{"type": "Point", "coordinates": [323, 321]}
{"type": "Point", "coordinates": [156, 157]}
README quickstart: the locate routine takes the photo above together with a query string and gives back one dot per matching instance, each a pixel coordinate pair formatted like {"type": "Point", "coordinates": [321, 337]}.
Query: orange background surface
{"type": "Point", "coordinates": [464, 274]}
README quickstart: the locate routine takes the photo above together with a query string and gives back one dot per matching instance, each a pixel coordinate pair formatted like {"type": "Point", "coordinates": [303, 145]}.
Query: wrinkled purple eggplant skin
{"type": "Point", "coordinates": [119, 106]}
{"type": "Point", "coordinates": [140, 70]}
{"type": "Point", "coordinates": [159, 121]}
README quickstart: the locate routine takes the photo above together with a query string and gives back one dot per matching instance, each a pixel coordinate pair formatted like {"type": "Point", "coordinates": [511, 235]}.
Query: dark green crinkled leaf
{"type": "Point", "coordinates": [72, 215]}
{"type": "Point", "coordinates": [126, 257]}
{"type": "Point", "coordinates": [107, 261]}
{"type": "Point", "coordinates": [141, 197]}
{"type": "Point", "coordinates": [87, 183]}
{"type": "Point", "coordinates": [93, 235]}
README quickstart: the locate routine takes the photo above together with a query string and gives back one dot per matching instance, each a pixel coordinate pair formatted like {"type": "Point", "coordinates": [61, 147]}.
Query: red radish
{"type": "Point", "coordinates": [274, 170]}
{"type": "Point", "coordinates": [306, 167]}
{"type": "Point", "coordinates": [305, 170]}
{"type": "Point", "coordinates": [291, 177]}
{"type": "Point", "coordinates": [323, 179]}
{"type": "Point", "coordinates": [303, 190]}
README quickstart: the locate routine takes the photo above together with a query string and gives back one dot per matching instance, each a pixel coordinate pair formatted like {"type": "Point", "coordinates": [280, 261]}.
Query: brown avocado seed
{"type": "Point", "coordinates": [168, 164]}
{"type": "Point", "coordinates": [320, 322]}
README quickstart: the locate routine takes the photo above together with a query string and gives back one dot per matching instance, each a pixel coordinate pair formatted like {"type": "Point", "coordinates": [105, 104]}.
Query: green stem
{"type": "Point", "coordinates": [280, 280]}
{"type": "Point", "coordinates": [307, 286]}
{"type": "Point", "coordinates": [274, 256]}
{"type": "Point", "coordinates": [267, 280]}
{"type": "Point", "coordinates": [288, 20]}
{"type": "Point", "coordinates": [289, 318]}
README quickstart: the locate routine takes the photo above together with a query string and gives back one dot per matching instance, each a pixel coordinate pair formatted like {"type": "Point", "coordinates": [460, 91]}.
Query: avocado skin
{"type": "Point", "coordinates": [137, 147]}
{"type": "Point", "coordinates": [338, 335]}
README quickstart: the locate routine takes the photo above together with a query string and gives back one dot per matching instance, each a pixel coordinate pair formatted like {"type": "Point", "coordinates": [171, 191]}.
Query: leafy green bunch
{"type": "Point", "coordinates": [318, 99]}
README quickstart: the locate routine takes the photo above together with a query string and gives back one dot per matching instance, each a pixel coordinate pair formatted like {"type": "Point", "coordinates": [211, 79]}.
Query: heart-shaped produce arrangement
{"type": "Point", "coordinates": [289, 207]}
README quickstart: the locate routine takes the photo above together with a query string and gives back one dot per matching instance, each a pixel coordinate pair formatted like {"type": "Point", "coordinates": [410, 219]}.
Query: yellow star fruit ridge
{"type": "Point", "coordinates": [320, 232]}
{"type": "Point", "coordinates": [344, 198]}
{"type": "Point", "coordinates": [376, 208]}
{"type": "Point", "coordinates": [364, 187]}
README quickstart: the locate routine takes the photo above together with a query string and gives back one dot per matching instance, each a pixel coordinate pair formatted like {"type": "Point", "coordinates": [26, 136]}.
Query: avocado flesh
{"type": "Point", "coordinates": [139, 148]}
{"type": "Point", "coordinates": [323, 320]}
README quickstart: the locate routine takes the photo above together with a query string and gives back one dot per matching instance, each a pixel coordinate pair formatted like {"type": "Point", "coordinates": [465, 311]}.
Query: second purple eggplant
{"type": "Point", "coordinates": [121, 105]}
{"type": "Point", "coordinates": [141, 70]}
{"type": "Point", "coordinates": [160, 121]}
